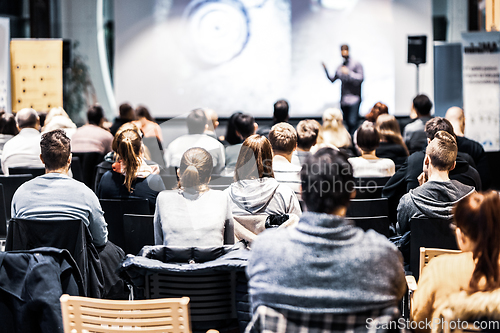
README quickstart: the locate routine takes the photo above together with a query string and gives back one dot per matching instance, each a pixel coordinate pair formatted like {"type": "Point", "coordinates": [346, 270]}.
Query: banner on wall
{"type": "Point", "coordinates": [4, 64]}
{"type": "Point", "coordinates": [481, 68]}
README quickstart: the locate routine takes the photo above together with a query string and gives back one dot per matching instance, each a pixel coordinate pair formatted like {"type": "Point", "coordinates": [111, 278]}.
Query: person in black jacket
{"type": "Point", "coordinates": [406, 177]}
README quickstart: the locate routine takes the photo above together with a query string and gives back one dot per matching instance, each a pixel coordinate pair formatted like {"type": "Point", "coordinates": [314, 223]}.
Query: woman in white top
{"type": "Point", "coordinates": [369, 165]}
{"type": "Point", "coordinates": [193, 215]}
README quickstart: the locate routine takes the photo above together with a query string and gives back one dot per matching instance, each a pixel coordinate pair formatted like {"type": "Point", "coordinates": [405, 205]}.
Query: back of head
{"type": "Point", "coordinates": [344, 47]}
{"type": "Point", "coordinates": [332, 118]}
{"type": "Point", "coordinates": [27, 118]}
{"type": "Point", "coordinates": [255, 160]}
{"type": "Point", "coordinates": [126, 111]}
{"type": "Point", "coordinates": [422, 104]}
{"type": "Point", "coordinates": [124, 127]}
{"type": "Point", "coordinates": [456, 117]}
{"type": "Point", "coordinates": [478, 217]}
{"type": "Point", "coordinates": [307, 133]}
{"type": "Point", "coordinates": [245, 125]}
{"type": "Point", "coordinates": [143, 112]}
{"type": "Point", "coordinates": [196, 121]}
{"type": "Point", "coordinates": [377, 110]}
{"type": "Point", "coordinates": [283, 138]}
{"type": "Point", "coordinates": [389, 130]}
{"type": "Point", "coordinates": [327, 181]}
{"type": "Point", "coordinates": [368, 138]}
{"type": "Point", "coordinates": [55, 149]}
{"type": "Point", "coordinates": [95, 114]}
{"type": "Point", "coordinates": [8, 124]}
{"type": "Point", "coordinates": [280, 111]}
{"type": "Point", "coordinates": [442, 151]}
{"type": "Point", "coordinates": [231, 137]}
{"type": "Point", "coordinates": [128, 148]}
{"type": "Point", "coordinates": [436, 124]}
{"type": "Point", "coordinates": [195, 170]}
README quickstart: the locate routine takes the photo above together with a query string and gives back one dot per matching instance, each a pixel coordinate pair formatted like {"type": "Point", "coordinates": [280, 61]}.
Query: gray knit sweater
{"type": "Point", "coordinates": [324, 265]}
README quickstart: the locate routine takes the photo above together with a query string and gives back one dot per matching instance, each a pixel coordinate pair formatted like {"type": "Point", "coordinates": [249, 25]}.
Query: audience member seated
{"type": "Point", "coordinates": [231, 138]}
{"type": "Point", "coordinates": [414, 134]}
{"type": "Point", "coordinates": [456, 117]}
{"type": "Point", "coordinates": [437, 194]}
{"type": "Point", "coordinates": [280, 115]}
{"type": "Point", "coordinates": [8, 129]}
{"type": "Point", "coordinates": [476, 270]}
{"type": "Point", "coordinates": [406, 177]}
{"type": "Point", "coordinates": [325, 266]}
{"type": "Point", "coordinates": [131, 177]}
{"type": "Point", "coordinates": [283, 139]}
{"type": "Point", "coordinates": [245, 126]}
{"type": "Point", "coordinates": [193, 215]}
{"type": "Point", "coordinates": [126, 115]}
{"type": "Point", "coordinates": [255, 194]}
{"type": "Point", "coordinates": [368, 164]}
{"type": "Point", "coordinates": [391, 142]}
{"type": "Point", "coordinates": [378, 109]}
{"type": "Point", "coordinates": [307, 136]}
{"type": "Point", "coordinates": [147, 125]}
{"type": "Point", "coordinates": [196, 123]}
{"type": "Point", "coordinates": [92, 138]}
{"type": "Point", "coordinates": [212, 122]}
{"type": "Point", "coordinates": [23, 150]}
{"type": "Point", "coordinates": [57, 196]}
{"type": "Point", "coordinates": [333, 131]}
{"type": "Point", "coordinates": [57, 118]}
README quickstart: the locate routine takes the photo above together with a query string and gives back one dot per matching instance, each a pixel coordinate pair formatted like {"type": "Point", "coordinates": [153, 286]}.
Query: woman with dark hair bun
{"type": "Point", "coordinates": [231, 138]}
{"type": "Point", "coordinates": [477, 269]}
{"type": "Point", "coordinates": [193, 215]}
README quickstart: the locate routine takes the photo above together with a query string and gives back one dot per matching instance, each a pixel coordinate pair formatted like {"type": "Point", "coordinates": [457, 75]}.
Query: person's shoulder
{"type": "Point", "coordinates": [378, 241]}
{"type": "Point", "coordinates": [450, 261]}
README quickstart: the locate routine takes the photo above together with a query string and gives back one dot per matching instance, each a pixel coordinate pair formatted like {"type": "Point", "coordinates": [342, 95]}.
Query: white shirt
{"type": "Point", "coordinates": [178, 147]}
{"type": "Point", "coordinates": [287, 173]}
{"type": "Point", "coordinates": [23, 150]}
{"type": "Point", "coordinates": [381, 167]}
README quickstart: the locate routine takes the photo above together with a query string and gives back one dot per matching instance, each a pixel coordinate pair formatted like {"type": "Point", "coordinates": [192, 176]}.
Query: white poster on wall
{"type": "Point", "coordinates": [4, 64]}
{"type": "Point", "coordinates": [481, 68]}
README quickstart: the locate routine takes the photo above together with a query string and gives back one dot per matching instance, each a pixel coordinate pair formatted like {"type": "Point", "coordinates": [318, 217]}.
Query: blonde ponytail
{"type": "Point", "coordinates": [129, 147]}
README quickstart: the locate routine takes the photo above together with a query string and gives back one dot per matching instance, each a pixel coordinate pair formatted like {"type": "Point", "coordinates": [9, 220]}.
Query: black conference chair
{"type": "Point", "coordinates": [433, 233]}
{"type": "Point", "coordinates": [370, 214]}
{"type": "Point", "coordinates": [114, 210]}
{"type": "Point", "coordinates": [220, 182]}
{"type": "Point", "coordinates": [76, 169]}
{"type": "Point", "coordinates": [170, 181]}
{"type": "Point", "coordinates": [138, 231]}
{"type": "Point", "coordinates": [35, 172]}
{"type": "Point", "coordinates": [10, 185]}
{"type": "Point", "coordinates": [155, 150]}
{"type": "Point", "coordinates": [369, 187]}
{"type": "Point", "coordinates": [88, 163]}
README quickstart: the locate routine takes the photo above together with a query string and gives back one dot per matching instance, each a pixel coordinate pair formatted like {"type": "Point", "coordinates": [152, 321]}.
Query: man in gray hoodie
{"type": "Point", "coordinates": [437, 194]}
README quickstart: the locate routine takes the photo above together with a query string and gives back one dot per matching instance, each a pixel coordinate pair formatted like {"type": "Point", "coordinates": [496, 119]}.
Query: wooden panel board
{"type": "Point", "coordinates": [36, 69]}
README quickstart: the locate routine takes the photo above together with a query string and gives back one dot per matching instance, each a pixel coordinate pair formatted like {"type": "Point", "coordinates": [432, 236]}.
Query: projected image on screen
{"type": "Point", "coordinates": [230, 55]}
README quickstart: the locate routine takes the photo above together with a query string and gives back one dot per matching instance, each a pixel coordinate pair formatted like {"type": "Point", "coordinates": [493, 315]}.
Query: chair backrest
{"type": "Point", "coordinates": [35, 172]}
{"type": "Point", "coordinates": [368, 207]}
{"type": "Point", "coordinates": [370, 181]}
{"type": "Point", "coordinates": [82, 314]}
{"type": "Point", "coordinates": [3, 214]}
{"type": "Point", "coordinates": [211, 293]}
{"type": "Point", "coordinates": [10, 185]}
{"type": "Point", "coordinates": [138, 231]}
{"type": "Point", "coordinates": [114, 209]}
{"type": "Point", "coordinates": [426, 254]}
{"type": "Point", "coordinates": [155, 150]}
{"type": "Point", "coordinates": [380, 224]}
{"type": "Point", "coordinates": [88, 163]}
{"type": "Point", "coordinates": [100, 170]}
{"type": "Point", "coordinates": [76, 168]}
{"type": "Point", "coordinates": [170, 181]}
{"type": "Point", "coordinates": [425, 232]}
{"type": "Point", "coordinates": [369, 187]}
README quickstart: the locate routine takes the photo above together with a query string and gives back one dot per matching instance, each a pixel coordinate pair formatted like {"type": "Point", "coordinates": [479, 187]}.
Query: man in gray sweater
{"type": "Point", "coordinates": [437, 194]}
{"type": "Point", "coordinates": [324, 266]}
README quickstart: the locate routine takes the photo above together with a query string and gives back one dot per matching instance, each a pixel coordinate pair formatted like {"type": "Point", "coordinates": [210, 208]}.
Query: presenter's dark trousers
{"type": "Point", "coordinates": [351, 116]}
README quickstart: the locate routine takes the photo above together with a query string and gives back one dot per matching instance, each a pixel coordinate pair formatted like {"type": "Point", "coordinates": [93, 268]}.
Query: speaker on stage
{"type": "Point", "coordinates": [417, 50]}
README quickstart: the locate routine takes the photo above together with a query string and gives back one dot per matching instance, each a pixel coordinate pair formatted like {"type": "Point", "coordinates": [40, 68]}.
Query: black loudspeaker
{"type": "Point", "coordinates": [417, 50]}
{"type": "Point", "coordinates": [66, 53]}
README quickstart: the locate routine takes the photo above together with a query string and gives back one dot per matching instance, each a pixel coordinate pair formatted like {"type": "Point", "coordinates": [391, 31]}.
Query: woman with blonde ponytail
{"type": "Point", "coordinates": [193, 215]}
{"type": "Point", "coordinates": [131, 177]}
{"type": "Point", "coordinates": [333, 131]}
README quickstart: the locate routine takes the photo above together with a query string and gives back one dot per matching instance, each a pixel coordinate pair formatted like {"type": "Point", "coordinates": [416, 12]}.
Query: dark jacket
{"type": "Point", "coordinates": [394, 151]}
{"type": "Point", "coordinates": [476, 151]}
{"type": "Point", "coordinates": [31, 283]}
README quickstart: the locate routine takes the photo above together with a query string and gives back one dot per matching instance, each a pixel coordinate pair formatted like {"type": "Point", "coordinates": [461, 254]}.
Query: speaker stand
{"type": "Point", "coordinates": [418, 76]}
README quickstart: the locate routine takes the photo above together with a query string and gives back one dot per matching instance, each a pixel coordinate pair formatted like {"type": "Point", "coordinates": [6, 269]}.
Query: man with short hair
{"type": "Point", "coordinates": [307, 136]}
{"type": "Point", "coordinates": [23, 150]}
{"type": "Point", "coordinates": [245, 126]}
{"type": "Point", "coordinates": [325, 267]}
{"type": "Point", "coordinates": [414, 133]}
{"type": "Point", "coordinates": [197, 124]}
{"type": "Point", "coordinates": [55, 195]}
{"type": "Point", "coordinates": [92, 137]}
{"type": "Point", "coordinates": [437, 194]}
{"type": "Point", "coordinates": [456, 117]}
{"type": "Point", "coordinates": [126, 115]}
{"type": "Point", "coordinates": [283, 139]}
{"type": "Point", "coordinates": [280, 115]}
{"type": "Point", "coordinates": [350, 73]}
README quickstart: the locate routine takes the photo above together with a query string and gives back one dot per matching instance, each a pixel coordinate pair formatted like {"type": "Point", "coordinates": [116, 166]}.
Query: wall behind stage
{"type": "Point", "coordinates": [177, 55]}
